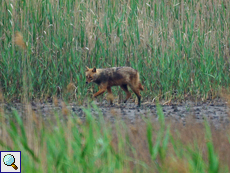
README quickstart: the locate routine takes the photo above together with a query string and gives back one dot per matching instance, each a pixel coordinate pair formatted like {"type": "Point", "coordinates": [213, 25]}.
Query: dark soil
{"type": "Point", "coordinates": [216, 111]}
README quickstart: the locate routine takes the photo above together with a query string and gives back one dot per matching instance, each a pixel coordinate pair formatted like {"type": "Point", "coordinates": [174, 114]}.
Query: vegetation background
{"type": "Point", "coordinates": [179, 46]}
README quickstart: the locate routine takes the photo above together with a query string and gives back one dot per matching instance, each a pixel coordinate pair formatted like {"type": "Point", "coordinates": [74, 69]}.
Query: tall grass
{"type": "Point", "coordinates": [178, 46]}
{"type": "Point", "coordinates": [66, 144]}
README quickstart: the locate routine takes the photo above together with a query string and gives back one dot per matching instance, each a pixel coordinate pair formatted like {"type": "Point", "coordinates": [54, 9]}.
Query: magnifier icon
{"type": "Point", "coordinates": [9, 160]}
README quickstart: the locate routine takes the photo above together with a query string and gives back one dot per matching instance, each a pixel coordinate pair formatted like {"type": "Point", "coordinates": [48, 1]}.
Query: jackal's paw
{"type": "Point", "coordinates": [139, 107]}
{"type": "Point", "coordinates": [112, 105]}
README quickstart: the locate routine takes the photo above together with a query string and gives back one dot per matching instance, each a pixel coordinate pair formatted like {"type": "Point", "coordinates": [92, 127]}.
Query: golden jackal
{"type": "Point", "coordinates": [115, 76]}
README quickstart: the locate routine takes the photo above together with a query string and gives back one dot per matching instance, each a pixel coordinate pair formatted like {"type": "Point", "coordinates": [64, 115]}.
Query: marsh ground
{"type": "Point", "coordinates": [128, 123]}
{"type": "Point", "coordinates": [216, 111]}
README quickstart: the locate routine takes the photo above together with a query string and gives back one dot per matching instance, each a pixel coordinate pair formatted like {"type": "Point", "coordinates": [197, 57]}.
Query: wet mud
{"type": "Point", "coordinates": [216, 112]}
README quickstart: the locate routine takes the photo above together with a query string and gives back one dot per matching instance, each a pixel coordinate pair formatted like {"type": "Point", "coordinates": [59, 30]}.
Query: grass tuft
{"type": "Point", "coordinates": [97, 145]}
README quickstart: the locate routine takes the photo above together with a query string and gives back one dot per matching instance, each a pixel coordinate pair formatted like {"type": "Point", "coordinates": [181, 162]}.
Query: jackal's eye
{"type": "Point", "coordinates": [89, 77]}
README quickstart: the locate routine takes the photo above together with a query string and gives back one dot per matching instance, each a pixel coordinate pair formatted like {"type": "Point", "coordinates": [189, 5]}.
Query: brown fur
{"type": "Point", "coordinates": [115, 76]}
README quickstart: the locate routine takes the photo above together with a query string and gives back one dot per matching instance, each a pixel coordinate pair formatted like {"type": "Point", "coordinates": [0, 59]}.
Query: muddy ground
{"type": "Point", "coordinates": [216, 111]}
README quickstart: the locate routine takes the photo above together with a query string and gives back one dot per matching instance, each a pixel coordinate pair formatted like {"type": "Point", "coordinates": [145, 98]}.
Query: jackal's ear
{"type": "Point", "coordinates": [94, 69]}
{"type": "Point", "coordinates": [87, 68]}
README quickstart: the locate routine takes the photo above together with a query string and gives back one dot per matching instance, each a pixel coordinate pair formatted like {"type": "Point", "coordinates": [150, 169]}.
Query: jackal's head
{"type": "Point", "coordinates": [89, 73]}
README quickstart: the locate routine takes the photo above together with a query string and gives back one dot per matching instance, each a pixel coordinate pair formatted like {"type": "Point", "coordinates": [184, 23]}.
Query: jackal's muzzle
{"type": "Point", "coordinates": [89, 79]}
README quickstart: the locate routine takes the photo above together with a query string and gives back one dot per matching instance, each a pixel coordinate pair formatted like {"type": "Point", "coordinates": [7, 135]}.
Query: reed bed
{"type": "Point", "coordinates": [181, 48]}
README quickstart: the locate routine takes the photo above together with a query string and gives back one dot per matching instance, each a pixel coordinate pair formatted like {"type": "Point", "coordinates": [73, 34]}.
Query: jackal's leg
{"type": "Point", "coordinates": [137, 92]}
{"type": "Point", "coordinates": [101, 91]}
{"type": "Point", "coordinates": [128, 94]}
{"type": "Point", "coordinates": [110, 95]}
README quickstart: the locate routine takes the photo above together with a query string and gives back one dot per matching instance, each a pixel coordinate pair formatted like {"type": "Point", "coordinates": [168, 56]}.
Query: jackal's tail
{"type": "Point", "coordinates": [138, 79]}
{"type": "Point", "coordinates": [141, 87]}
